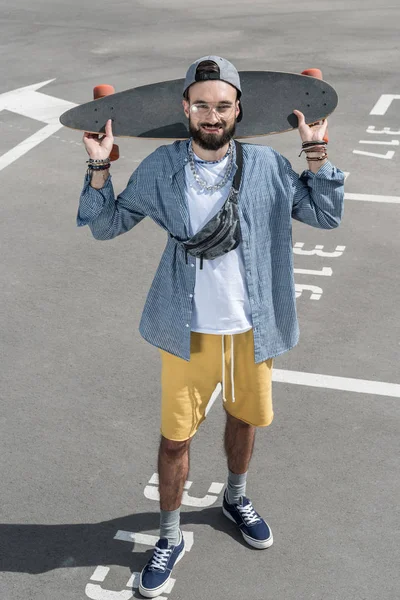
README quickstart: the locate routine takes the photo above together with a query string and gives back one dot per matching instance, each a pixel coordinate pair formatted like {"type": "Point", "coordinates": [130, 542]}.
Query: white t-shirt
{"type": "Point", "coordinates": [221, 299]}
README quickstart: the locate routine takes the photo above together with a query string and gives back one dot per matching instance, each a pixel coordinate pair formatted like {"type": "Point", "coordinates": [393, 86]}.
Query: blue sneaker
{"type": "Point", "coordinates": [155, 576]}
{"type": "Point", "coordinates": [253, 528]}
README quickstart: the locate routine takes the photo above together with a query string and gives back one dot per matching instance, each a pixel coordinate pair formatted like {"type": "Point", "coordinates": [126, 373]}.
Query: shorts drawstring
{"type": "Point", "coordinates": [232, 369]}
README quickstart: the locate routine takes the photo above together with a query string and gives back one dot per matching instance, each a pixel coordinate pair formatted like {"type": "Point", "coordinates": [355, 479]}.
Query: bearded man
{"type": "Point", "coordinates": [223, 298]}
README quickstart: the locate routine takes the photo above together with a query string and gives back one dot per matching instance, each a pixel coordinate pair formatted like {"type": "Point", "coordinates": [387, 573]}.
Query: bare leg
{"type": "Point", "coordinates": [173, 469]}
{"type": "Point", "coordinates": [239, 444]}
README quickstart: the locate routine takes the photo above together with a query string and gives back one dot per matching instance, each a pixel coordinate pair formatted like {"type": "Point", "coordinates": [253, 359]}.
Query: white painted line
{"type": "Point", "coordinates": [100, 574]}
{"type": "Point", "coordinates": [95, 592]}
{"type": "Point", "coordinates": [215, 488]}
{"type": "Point", "coordinates": [325, 272]}
{"type": "Point", "coordinates": [383, 104]}
{"type": "Point", "coordinates": [373, 198]}
{"type": "Point", "coordinates": [134, 580]}
{"type": "Point", "coordinates": [376, 143]}
{"type": "Point", "coordinates": [361, 386]}
{"type": "Point", "coordinates": [388, 156]}
{"type": "Point", "coordinates": [316, 292]}
{"type": "Point", "coordinates": [385, 130]}
{"type": "Point", "coordinates": [189, 540]}
{"type": "Point", "coordinates": [155, 480]}
{"type": "Point", "coordinates": [24, 147]}
{"type": "Point", "coordinates": [136, 538]}
{"type": "Point", "coordinates": [150, 540]}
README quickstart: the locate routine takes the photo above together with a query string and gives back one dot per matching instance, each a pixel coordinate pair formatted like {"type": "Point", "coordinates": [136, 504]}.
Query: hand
{"type": "Point", "coordinates": [307, 133]}
{"type": "Point", "coordinates": [99, 147]}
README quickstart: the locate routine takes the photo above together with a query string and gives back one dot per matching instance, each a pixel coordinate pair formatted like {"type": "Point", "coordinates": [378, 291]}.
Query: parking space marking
{"type": "Point", "coordinates": [373, 198]}
{"type": "Point", "coordinates": [346, 384]}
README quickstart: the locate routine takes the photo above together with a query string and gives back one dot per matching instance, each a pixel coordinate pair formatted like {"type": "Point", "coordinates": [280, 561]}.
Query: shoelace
{"type": "Point", "coordinates": [249, 514]}
{"type": "Point", "coordinates": [160, 558]}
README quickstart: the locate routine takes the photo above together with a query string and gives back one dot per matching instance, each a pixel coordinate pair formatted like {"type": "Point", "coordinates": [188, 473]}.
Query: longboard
{"type": "Point", "coordinates": [155, 111]}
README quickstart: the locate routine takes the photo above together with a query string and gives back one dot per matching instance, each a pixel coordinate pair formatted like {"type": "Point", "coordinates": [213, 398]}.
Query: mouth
{"type": "Point", "coordinates": [211, 128]}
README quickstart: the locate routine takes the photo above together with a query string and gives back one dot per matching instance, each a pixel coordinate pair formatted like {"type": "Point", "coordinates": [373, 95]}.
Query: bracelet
{"type": "Point", "coordinates": [99, 161]}
{"type": "Point", "coordinates": [99, 167]}
{"type": "Point", "coordinates": [320, 158]}
{"type": "Point", "coordinates": [313, 142]}
{"type": "Point", "coordinates": [313, 146]}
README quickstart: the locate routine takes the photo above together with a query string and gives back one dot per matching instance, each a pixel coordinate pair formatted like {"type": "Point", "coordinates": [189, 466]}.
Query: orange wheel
{"type": "Point", "coordinates": [103, 90]}
{"type": "Point", "coordinates": [114, 153]}
{"type": "Point", "coordinates": [317, 73]}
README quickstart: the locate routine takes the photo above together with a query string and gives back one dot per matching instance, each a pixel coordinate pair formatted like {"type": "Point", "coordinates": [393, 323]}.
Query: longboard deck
{"type": "Point", "coordinates": [155, 111]}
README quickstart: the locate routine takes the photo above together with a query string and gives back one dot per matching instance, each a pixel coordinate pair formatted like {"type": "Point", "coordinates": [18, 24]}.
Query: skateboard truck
{"type": "Point", "coordinates": [317, 73]}
{"type": "Point", "coordinates": [100, 91]}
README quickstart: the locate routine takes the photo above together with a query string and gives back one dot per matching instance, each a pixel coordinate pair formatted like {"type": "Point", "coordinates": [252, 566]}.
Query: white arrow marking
{"type": "Point", "coordinates": [28, 102]}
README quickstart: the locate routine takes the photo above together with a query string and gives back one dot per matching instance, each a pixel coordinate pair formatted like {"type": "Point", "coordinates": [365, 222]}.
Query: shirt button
{"type": "Point", "coordinates": [190, 295]}
{"type": "Point", "coordinates": [192, 265]}
{"type": "Point", "coordinates": [187, 324]}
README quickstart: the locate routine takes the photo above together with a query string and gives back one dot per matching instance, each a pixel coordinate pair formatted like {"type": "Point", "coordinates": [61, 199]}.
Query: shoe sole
{"type": "Point", "coordinates": [157, 591]}
{"type": "Point", "coordinates": [259, 544]}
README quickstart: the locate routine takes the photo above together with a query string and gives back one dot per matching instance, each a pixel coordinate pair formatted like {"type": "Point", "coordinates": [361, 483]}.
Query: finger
{"type": "Point", "coordinates": [300, 117]}
{"type": "Point", "coordinates": [109, 132]}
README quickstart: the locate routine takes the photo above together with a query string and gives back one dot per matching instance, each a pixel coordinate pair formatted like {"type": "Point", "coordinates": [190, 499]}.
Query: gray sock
{"type": "Point", "coordinates": [169, 525]}
{"type": "Point", "coordinates": [236, 487]}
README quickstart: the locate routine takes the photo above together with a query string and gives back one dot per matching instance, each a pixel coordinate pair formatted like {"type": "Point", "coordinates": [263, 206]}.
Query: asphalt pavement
{"type": "Point", "coordinates": [79, 387]}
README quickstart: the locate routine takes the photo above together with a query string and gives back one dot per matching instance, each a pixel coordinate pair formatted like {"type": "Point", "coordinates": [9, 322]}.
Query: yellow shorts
{"type": "Point", "coordinates": [188, 386]}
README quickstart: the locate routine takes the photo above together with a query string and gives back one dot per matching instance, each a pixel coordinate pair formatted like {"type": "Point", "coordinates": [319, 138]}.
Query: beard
{"type": "Point", "coordinates": [212, 141]}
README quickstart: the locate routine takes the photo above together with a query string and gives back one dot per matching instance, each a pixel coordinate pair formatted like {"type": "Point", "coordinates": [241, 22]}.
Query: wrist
{"type": "Point", "coordinates": [314, 166]}
{"type": "Point", "coordinates": [98, 178]}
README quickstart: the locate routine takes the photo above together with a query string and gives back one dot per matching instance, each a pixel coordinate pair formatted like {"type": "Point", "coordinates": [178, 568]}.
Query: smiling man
{"type": "Point", "coordinates": [222, 303]}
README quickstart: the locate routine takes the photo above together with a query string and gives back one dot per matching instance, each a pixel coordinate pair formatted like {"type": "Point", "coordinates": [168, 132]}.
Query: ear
{"type": "Point", "coordinates": [237, 108]}
{"type": "Point", "coordinates": [185, 105]}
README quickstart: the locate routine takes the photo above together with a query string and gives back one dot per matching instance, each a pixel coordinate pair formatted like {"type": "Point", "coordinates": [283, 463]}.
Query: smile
{"type": "Point", "coordinates": [211, 129]}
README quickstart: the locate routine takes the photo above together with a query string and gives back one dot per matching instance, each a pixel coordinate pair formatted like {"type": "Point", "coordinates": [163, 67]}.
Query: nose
{"type": "Point", "coordinates": [213, 114]}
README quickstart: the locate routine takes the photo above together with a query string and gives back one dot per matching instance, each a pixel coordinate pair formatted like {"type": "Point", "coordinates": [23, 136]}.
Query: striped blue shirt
{"type": "Point", "coordinates": [271, 194]}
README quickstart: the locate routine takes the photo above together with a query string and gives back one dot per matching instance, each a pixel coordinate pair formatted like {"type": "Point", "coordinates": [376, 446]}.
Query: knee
{"type": "Point", "coordinates": [174, 449]}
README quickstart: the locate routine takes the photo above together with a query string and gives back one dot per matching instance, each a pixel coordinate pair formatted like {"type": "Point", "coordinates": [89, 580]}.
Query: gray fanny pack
{"type": "Point", "coordinates": [222, 233]}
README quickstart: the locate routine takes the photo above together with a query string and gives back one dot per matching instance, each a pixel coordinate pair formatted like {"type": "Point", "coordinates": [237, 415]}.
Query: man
{"type": "Point", "coordinates": [246, 294]}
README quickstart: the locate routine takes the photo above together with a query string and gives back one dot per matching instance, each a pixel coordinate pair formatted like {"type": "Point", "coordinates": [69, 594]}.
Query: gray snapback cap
{"type": "Point", "coordinates": [227, 72]}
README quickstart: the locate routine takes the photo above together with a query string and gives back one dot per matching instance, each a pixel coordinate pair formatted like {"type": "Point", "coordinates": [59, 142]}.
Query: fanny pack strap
{"type": "Point", "coordinates": [239, 161]}
{"type": "Point", "coordinates": [232, 197]}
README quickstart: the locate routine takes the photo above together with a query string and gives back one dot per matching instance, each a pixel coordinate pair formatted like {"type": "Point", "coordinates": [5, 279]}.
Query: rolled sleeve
{"type": "Point", "coordinates": [318, 197]}
{"type": "Point", "coordinates": [92, 201]}
{"type": "Point", "coordinates": [106, 215]}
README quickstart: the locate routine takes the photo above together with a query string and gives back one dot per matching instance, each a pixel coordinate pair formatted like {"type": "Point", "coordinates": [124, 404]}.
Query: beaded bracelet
{"type": "Point", "coordinates": [98, 161]}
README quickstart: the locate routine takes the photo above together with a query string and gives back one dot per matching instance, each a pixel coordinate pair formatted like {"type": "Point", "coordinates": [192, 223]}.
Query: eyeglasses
{"type": "Point", "coordinates": [203, 109]}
